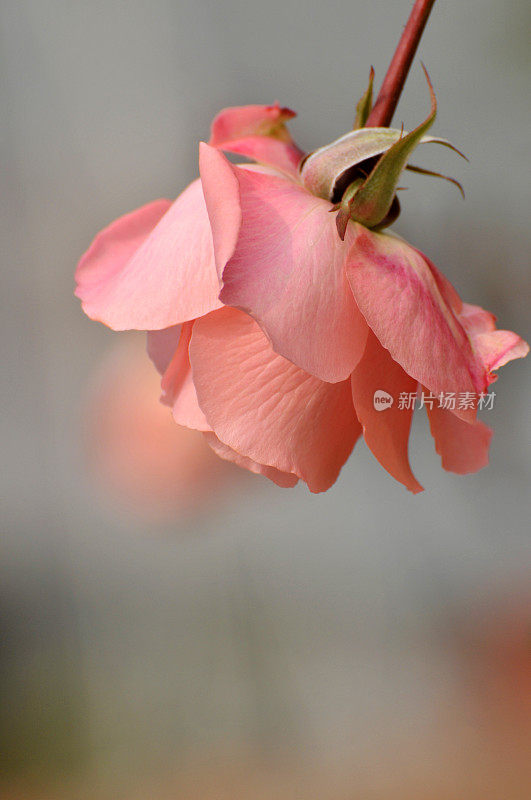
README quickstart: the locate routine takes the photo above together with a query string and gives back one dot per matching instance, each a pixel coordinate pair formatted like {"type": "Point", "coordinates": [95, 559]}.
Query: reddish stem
{"type": "Point", "coordinates": [393, 83]}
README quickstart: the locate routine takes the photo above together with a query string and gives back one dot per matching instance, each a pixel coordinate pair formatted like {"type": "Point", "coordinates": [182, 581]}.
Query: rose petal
{"type": "Point", "coordinates": [186, 410]}
{"type": "Point", "coordinates": [401, 301]}
{"type": "Point", "coordinates": [287, 269]}
{"type": "Point", "coordinates": [493, 347]}
{"type": "Point", "coordinates": [161, 346]}
{"type": "Point", "coordinates": [496, 348]}
{"type": "Point", "coordinates": [386, 428]}
{"type": "Point", "coordinates": [284, 479]}
{"type": "Point", "coordinates": [463, 446]}
{"type": "Point", "coordinates": [221, 191]}
{"type": "Point", "coordinates": [178, 390]}
{"type": "Point", "coordinates": [112, 249]}
{"type": "Point", "coordinates": [257, 132]}
{"type": "Point", "coordinates": [264, 407]}
{"type": "Point", "coordinates": [154, 281]}
{"type": "Point", "coordinates": [447, 290]}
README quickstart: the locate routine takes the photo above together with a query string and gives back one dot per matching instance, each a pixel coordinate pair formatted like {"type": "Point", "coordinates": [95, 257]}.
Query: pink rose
{"type": "Point", "coordinates": [273, 322]}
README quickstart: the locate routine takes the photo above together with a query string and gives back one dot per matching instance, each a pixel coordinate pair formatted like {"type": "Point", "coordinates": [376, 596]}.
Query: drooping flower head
{"type": "Point", "coordinates": [280, 310]}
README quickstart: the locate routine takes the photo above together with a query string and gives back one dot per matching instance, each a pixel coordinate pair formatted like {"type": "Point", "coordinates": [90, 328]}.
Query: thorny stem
{"type": "Point", "coordinates": [393, 83]}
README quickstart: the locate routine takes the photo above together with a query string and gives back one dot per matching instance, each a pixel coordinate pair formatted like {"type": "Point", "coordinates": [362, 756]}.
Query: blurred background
{"type": "Point", "coordinates": [172, 628]}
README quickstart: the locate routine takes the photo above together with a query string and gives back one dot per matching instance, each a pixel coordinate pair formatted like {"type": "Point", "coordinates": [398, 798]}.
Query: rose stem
{"type": "Point", "coordinates": [393, 83]}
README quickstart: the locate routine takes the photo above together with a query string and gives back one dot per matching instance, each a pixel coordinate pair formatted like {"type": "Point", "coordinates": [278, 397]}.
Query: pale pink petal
{"type": "Point", "coordinates": [258, 132]}
{"type": "Point", "coordinates": [463, 446]}
{"type": "Point", "coordinates": [177, 386]}
{"type": "Point", "coordinates": [112, 249]}
{"type": "Point", "coordinates": [161, 346]}
{"type": "Point", "coordinates": [186, 410]}
{"type": "Point", "coordinates": [447, 290]}
{"type": "Point", "coordinates": [177, 368]}
{"type": "Point", "coordinates": [237, 122]}
{"type": "Point", "coordinates": [496, 348]}
{"type": "Point", "coordinates": [401, 301]}
{"type": "Point", "coordinates": [287, 269]}
{"type": "Point", "coordinates": [493, 347]}
{"type": "Point", "coordinates": [154, 282]}
{"type": "Point", "coordinates": [475, 319]}
{"type": "Point", "coordinates": [386, 431]}
{"type": "Point", "coordinates": [281, 155]}
{"type": "Point", "coordinates": [284, 479]}
{"type": "Point", "coordinates": [264, 407]}
{"type": "Point", "coordinates": [221, 191]}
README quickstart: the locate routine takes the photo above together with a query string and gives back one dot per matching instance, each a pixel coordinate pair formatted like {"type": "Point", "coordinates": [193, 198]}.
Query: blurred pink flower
{"type": "Point", "coordinates": [271, 332]}
{"type": "Point", "coordinates": [141, 458]}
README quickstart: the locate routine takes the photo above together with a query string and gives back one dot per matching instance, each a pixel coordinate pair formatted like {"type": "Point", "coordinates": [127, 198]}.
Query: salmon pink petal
{"type": "Point", "coordinates": [258, 132]}
{"type": "Point", "coordinates": [112, 249]}
{"type": "Point", "coordinates": [281, 155]}
{"type": "Point", "coordinates": [164, 277]}
{"type": "Point", "coordinates": [185, 409]}
{"type": "Point", "coordinates": [264, 407]}
{"type": "Point", "coordinates": [475, 319]}
{"type": "Point", "coordinates": [177, 386]}
{"type": "Point", "coordinates": [178, 367]}
{"type": "Point", "coordinates": [493, 347]}
{"type": "Point", "coordinates": [161, 346]}
{"type": "Point", "coordinates": [221, 191]}
{"type": "Point", "coordinates": [284, 479]}
{"type": "Point", "coordinates": [496, 348]}
{"type": "Point", "coordinates": [447, 290]}
{"type": "Point", "coordinates": [287, 270]}
{"type": "Point", "coordinates": [401, 301]}
{"type": "Point", "coordinates": [463, 446]}
{"type": "Point", "coordinates": [236, 122]}
{"type": "Point", "coordinates": [385, 427]}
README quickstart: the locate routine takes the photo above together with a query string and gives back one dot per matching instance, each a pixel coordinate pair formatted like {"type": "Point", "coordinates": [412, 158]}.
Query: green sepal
{"type": "Point", "coordinates": [321, 170]}
{"type": "Point", "coordinates": [432, 174]}
{"type": "Point", "coordinates": [343, 208]}
{"type": "Point", "coordinates": [444, 142]}
{"type": "Point", "coordinates": [373, 200]}
{"type": "Point", "coordinates": [364, 107]}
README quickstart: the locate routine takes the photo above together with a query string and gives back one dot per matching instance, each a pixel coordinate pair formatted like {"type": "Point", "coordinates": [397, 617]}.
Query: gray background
{"type": "Point", "coordinates": [327, 635]}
